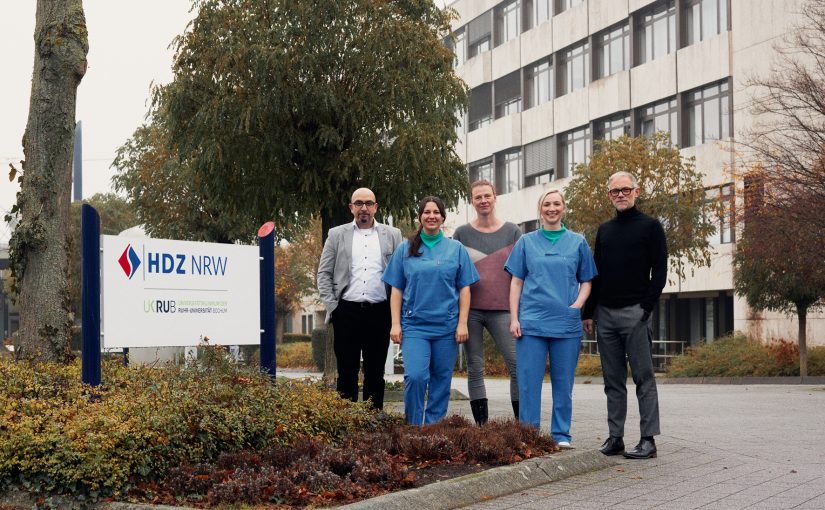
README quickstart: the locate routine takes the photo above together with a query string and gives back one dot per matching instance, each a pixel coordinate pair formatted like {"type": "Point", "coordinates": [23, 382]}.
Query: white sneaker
{"type": "Point", "coordinates": [564, 445]}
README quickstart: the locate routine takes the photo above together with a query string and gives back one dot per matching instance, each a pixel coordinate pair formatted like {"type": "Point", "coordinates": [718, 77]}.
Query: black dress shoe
{"type": "Point", "coordinates": [646, 449]}
{"type": "Point", "coordinates": [612, 446]}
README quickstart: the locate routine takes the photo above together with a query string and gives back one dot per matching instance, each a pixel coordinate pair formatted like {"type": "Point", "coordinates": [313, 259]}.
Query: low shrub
{"type": "Point", "coordinates": [57, 435]}
{"type": "Point", "coordinates": [294, 355]}
{"type": "Point", "coordinates": [314, 473]}
{"type": "Point", "coordinates": [319, 340]}
{"type": "Point", "coordinates": [589, 365]}
{"type": "Point", "coordinates": [291, 338]}
{"type": "Point", "coordinates": [741, 356]}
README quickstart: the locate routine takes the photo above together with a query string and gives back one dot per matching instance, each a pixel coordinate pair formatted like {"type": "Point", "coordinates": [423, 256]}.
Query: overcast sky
{"type": "Point", "coordinates": [128, 50]}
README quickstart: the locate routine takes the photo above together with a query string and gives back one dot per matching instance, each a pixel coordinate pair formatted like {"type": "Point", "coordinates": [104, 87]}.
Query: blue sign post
{"type": "Point", "coordinates": [266, 244]}
{"type": "Point", "coordinates": [90, 295]}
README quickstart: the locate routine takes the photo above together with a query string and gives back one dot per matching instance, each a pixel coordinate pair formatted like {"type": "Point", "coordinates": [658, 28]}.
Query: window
{"type": "Point", "coordinates": [288, 327]}
{"type": "Point", "coordinates": [613, 127]}
{"type": "Point", "coordinates": [481, 106]}
{"type": "Point", "coordinates": [538, 80]}
{"type": "Point", "coordinates": [529, 226]}
{"type": "Point", "coordinates": [479, 33]}
{"type": "Point", "coordinates": [539, 161]}
{"type": "Point", "coordinates": [705, 18]}
{"type": "Point", "coordinates": [709, 114]}
{"type": "Point", "coordinates": [656, 32]}
{"type": "Point", "coordinates": [574, 68]}
{"type": "Point", "coordinates": [306, 324]}
{"type": "Point", "coordinates": [482, 170]}
{"type": "Point", "coordinates": [508, 94]}
{"type": "Point", "coordinates": [460, 47]}
{"type": "Point", "coordinates": [574, 147]}
{"type": "Point", "coordinates": [508, 171]}
{"type": "Point", "coordinates": [563, 5]}
{"type": "Point", "coordinates": [506, 22]}
{"type": "Point", "coordinates": [722, 197]}
{"type": "Point", "coordinates": [536, 12]}
{"type": "Point", "coordinates": [612, 50]}
{"type": "Point", "coordinates": [661, 116]}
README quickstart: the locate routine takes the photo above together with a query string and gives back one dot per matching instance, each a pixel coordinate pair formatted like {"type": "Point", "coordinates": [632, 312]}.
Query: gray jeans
{"type": "Point", "coordinates": [498, 324]}
{"type": "Point", "coordinates": [623, 338]}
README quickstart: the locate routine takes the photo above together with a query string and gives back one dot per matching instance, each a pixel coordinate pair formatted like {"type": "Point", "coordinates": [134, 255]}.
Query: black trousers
{"type": "Point", "coordinates": [362, 330]}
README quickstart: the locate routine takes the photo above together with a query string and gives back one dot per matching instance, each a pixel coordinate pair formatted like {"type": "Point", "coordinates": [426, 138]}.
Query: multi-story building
{"type": "Point", "coordinates": [549, 77]}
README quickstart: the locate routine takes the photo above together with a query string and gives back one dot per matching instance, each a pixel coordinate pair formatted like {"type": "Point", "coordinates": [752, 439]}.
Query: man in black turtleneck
{"type": "Point", "coordinates": [631, 257]}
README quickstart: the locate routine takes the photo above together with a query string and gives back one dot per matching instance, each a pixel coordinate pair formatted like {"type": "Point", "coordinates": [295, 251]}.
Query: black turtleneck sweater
{"type": "Point", "coordinates": [631, 256]}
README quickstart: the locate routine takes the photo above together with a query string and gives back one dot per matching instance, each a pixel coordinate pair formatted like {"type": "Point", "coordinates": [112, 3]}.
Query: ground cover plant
{"type": "Point", "coordinates": [740, 356]}
{"type": "Point", "coordinates": [215, 432]}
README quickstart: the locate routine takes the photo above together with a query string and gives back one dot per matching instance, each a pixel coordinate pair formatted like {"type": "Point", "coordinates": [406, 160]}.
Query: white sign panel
{"type": "Point", "coordinates": [158, 292]}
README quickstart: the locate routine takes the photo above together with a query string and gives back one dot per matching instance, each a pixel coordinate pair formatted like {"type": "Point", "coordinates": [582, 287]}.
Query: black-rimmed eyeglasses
{"type": "Point", "coordinates": [624, 191]}
{"type": "Point", "coordinates": [360, 203]}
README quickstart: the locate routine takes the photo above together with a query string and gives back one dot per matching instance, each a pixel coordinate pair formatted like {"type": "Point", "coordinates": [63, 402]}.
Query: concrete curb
{"type": "Point", "coordinates": [491, 483]}
{"type": "Point", "coordinates": [742, 380]}
{"type": "Point", "coordinates": [452, 493]}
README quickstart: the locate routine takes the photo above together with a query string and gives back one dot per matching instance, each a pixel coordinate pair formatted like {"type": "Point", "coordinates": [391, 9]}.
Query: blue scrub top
{"type": "Point", "coordinates": [551, 274]}
{"type": "Point", "coordinates": [431, 284]}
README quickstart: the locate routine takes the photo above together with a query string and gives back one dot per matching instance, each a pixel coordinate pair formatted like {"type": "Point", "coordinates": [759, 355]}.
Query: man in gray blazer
{"type": "Point", "coordinates": [349, 283]}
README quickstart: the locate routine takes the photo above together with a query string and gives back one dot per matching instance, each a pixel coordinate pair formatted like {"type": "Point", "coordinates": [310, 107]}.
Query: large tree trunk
{"type": "Point", "coordinates": [331, 217]}
{"type": "Point", "coordinates": [802, 314]}
{"type": "Point", "coordinates": [40, 259]}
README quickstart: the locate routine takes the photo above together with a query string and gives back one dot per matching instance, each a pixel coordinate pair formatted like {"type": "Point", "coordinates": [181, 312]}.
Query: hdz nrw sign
{"type": "Point", "coordinates": [159, 292]}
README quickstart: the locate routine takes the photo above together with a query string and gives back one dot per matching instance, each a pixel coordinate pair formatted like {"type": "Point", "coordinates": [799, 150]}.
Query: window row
{"type": "Point", "coordinates": [654, 27]}
{"type": "Point", "coordinates": [692, 118]}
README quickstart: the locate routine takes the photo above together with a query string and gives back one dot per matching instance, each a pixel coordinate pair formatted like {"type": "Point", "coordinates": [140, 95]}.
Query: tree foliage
{"type": "Point", "coordinates": [672, 191]}
{"type": "Point", "coordinates": [116, 215]}
{"type": "Point", "coordinates": [37, 248]}
{"type": "Point", "coordinates": [775, 268]}
{"type": "Point", "coordinates": [788, 134]}
{"type": "Point", "coordinates": [295, 266]}
{"type": "Point", "coordinates": [279, 109]}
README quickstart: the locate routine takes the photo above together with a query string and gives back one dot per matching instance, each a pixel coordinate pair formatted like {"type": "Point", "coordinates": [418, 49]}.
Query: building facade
{"type": "Point", "coordinates": [547, 78]}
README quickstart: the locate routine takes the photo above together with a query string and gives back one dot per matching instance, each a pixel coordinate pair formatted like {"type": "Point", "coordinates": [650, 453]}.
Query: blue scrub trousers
{"type": "Point", "coordinates": [428, 370]}
{"type": "Point", "coordinates": [531, 357]}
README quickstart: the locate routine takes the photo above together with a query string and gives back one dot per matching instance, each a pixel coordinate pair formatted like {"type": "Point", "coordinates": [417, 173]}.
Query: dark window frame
{"type": "Point", "coordinates": [704, 98]}
{"type": "Point", "coordinates": [649, 24]}
{"type": "Point", "coordinates": [668, 107]}
{"type": "Point", "coordinates": [603, 45]}
{"type": "Point", "coordinates": [499, 23]}
{"type": "Point", "coordinates": [568, 140]}
{"type": "Point", "coordinates": [690, 8]}
{"type": "Point", "coordinates": [530, 74]}
{"type": "Point", "coordinates": [567, 68]}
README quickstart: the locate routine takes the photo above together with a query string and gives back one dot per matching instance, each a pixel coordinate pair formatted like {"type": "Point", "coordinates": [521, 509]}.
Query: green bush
{"type": "Point", "coordinates": [740, 356]}
{"type": "Point", "coordinates": [291, 338]}
{"type": "Point", "coordinates": [57, 435]}
{"type": "Point", "coordinates": [319, 346]}
{"type": "Point", "coordinates": [295, 355]}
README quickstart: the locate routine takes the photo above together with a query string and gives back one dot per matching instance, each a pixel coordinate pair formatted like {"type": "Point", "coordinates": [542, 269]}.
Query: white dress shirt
{"type": "Point", "coordinates": [366, 267]}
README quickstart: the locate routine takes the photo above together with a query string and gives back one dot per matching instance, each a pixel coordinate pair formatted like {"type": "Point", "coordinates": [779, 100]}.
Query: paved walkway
{"type": "Point", "coordinates": [722, 447]}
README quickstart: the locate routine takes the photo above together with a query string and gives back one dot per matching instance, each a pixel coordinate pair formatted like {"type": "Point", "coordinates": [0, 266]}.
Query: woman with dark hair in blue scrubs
{"type": "Point", "coordinates": [552, 270]}
{"type": "Point", "coordinates": [430, 277]}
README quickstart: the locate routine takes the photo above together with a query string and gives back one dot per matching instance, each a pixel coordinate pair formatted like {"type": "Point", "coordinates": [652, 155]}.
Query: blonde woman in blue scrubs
{"type": "Point", "coordinates": [430, 277]}
{"type": "Point", "coordinates": [552, 269]}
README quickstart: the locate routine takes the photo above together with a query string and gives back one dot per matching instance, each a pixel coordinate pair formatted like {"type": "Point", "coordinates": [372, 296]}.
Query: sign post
{"type": "Point", "coordinates": [90, 295]}
{"type": "Point", "coordinates": [266, 244]}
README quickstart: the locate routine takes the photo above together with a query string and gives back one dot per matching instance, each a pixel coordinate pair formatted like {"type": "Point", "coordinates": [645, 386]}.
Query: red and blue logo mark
{"type": "Point", "coordinates": [129, 261]}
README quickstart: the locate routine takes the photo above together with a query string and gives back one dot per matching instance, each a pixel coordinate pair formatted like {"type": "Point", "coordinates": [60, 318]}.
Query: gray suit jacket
{"type": "Point", "coordinates": [336, 259]}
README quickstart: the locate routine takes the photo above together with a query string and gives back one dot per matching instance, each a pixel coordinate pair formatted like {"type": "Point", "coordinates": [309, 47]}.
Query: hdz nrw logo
{"type": "Point", "coordinates": [129, 261]}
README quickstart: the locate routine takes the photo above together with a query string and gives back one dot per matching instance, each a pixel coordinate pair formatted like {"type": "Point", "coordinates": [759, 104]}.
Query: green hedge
{"type": "Point", "coordinates": [319, 339]}
{"type": "Point", "coordinates": [291, 338]}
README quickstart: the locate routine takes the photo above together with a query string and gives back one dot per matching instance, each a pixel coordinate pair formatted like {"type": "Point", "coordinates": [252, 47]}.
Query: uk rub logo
{"type": "Point", "coordinates": [129, 261]}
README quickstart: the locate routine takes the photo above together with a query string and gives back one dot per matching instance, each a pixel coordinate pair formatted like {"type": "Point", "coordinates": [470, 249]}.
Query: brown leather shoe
{"type": "Point", "coordinates": [646, 449]}
{"type": "Point", "coordinates": [612, 446]}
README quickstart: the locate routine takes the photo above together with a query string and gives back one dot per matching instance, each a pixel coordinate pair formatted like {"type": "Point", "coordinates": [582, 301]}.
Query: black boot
{"type": "Point", "coordinates": [479, 408]}
{"type": "Point", "coordinates": [515, 408]}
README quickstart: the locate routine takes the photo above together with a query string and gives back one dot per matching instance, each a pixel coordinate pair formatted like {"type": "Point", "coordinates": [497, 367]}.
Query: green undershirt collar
{"type": "Point", "coordinates": [553, 235]}
{"type": "Point", "coordinates": [431, 241]}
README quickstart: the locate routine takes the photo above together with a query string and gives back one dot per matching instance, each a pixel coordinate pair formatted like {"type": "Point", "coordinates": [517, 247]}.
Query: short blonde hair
{"type": "Point", "coordinates": [544, 195]}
